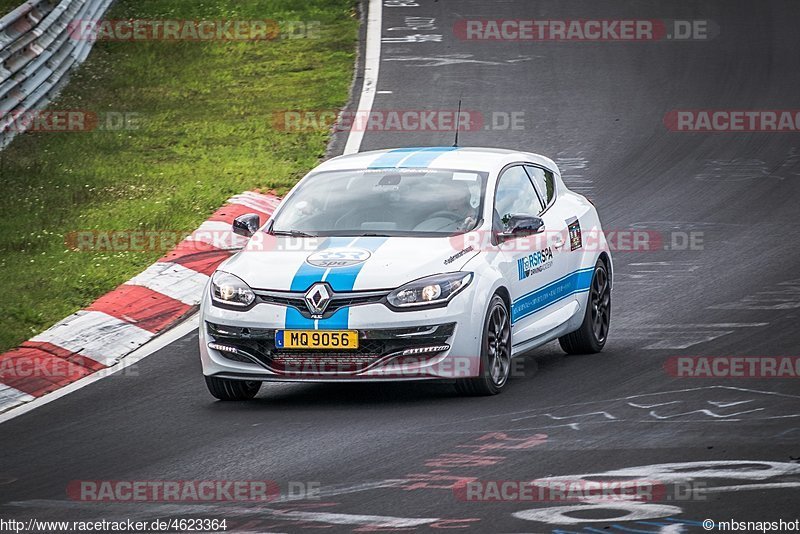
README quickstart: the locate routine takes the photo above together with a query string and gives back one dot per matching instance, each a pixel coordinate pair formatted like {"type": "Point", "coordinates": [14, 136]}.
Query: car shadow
{"type": "Point", "coordinates": [358, 395]}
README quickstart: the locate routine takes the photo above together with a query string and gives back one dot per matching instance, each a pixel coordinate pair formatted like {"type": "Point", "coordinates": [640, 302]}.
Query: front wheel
{"type": "Point", "coordinates": [495, 353]}
{"type": "Point", "coordinates": [232, 390]}
{"type": "Point", "coordinates": [591, 337]}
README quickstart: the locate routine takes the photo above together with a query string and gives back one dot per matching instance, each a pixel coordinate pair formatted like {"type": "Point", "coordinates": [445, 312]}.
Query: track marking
{"type": "Point", "coordinates": [96, 335]}
{"type": "Point", "coordinates": [455, 59]}
{"type": "Point", "coordinates": [372, 63]}
{"type": "Point", "coordinates": [123, 320]}
{"type": "Point", "coordinates": [145, 350]}
{"type": "Point", "coordinates": [12, 397]}
{"type": "Point", "coordinates": [266, 204]}
{"type": "Point", "coordinates": [572, 172]}
{"type": "Point", "coordinates": [681, 336]}
{"type": "Point", "coordinates": [783, 296]}
{"type": "Point", "coordinates": [172, 280]}
{"type": "Point", "coordinates": [218, 234]}
{"type": "Point", "coordinates": [534, 412]}
{"type": "Point", "coordinates": [708, 413]}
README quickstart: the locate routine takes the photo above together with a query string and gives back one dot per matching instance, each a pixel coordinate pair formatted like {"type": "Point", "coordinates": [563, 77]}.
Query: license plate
{"type": "Point", "coordinates": [316, 339]}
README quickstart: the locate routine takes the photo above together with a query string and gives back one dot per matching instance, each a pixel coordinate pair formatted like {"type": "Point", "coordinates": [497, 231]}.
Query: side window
{"type": "Point", "coordinates": [545, 182]}
{"type": "Point", "coordinates": [514, 196]}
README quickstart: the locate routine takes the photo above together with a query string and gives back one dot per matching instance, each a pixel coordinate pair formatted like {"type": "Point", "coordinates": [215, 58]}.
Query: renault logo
{"type": "Point", "coordinates": [317, 298]}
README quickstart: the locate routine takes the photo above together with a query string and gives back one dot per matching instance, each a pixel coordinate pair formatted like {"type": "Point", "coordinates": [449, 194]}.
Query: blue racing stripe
{"type": "Point", "coordinates": [410, 157]}
{"type": "Point", "coordinates": [344, 278]}
{"type": "Point", "coordinates": [575, 282]}
{"type": "Point", "coordinates": [337, 321]}
{"type": "Point", "coordinates": [295, 320]}
{"type": "Point", "coordinates": [392, 158]}
{"type": "Point", "coordinates": [339, 278]}
{"type": "Point", "coordinates": [307, 274]}
{"type": "Point", "coordinates": [425, 157]}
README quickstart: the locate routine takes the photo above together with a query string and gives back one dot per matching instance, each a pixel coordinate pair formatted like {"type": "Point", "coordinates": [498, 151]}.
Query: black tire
{"type": "Point", "coordinates": [591, 337]}
{"type": "Point", "coordinates": [495, 353]}
{"type": "Point", "coordinates": [232, 390]}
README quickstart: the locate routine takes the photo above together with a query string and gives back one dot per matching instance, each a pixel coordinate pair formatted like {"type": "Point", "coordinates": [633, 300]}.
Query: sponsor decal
{"type": "Point", "coordinates": [574, 282]}
{"type": "Point", "coordinates": [575, 240]}
{"type": "Point", "coordinates": [338, 257]}
{"type": "Point", "coordinates": [536, 262]}
{"type": "Point", "coordinates": [458, 254]}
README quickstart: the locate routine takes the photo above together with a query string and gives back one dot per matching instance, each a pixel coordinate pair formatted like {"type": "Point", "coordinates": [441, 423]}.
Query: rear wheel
{"type": "Point", "coordinates": [591, 336]}
{"type": "Point", "coordinates": [232, 390]}
{"type": "Point", "coordinates": [495, 353]}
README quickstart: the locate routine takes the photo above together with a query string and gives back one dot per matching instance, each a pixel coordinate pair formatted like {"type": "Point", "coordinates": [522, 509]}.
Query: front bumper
{"type": "Point", "coordinates": [439, 343]}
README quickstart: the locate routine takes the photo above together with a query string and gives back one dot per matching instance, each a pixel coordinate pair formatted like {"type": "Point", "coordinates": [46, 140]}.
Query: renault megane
{"type": "Point", "coordinates": [409, 264]}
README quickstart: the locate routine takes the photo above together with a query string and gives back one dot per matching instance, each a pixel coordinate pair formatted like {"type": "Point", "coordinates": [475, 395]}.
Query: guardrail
{"type": "Point", "coordinates": [37, 52]}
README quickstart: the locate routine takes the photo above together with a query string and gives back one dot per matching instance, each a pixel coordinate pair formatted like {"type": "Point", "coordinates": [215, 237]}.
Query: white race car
{"type": "Point", "coordinates": [409, 264]}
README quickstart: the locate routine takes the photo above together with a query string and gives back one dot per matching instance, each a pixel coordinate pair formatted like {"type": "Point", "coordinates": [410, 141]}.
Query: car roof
{"type": "Point", "coordinates": [463, 158]}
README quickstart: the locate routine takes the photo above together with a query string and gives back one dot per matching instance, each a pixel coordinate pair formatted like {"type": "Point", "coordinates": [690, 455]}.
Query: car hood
{"type": "Point", "coordinates": [347, 263]}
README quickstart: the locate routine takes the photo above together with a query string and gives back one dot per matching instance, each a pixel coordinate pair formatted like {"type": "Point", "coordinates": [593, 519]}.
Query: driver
{"type": "Point", "coordinates": [460, 205]}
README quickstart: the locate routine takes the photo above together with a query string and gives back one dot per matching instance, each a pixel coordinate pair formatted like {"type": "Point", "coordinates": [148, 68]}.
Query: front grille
{"type": "Point", "coordinates": [257, 345]}
{"type": "Point", "coordinates": [296, 300]}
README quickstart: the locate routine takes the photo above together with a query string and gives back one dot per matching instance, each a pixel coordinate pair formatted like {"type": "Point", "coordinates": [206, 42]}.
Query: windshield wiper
{"type": "Point", "coordinates": [291, 233]}
{"type": "Point", "coordinates": [364, 234]}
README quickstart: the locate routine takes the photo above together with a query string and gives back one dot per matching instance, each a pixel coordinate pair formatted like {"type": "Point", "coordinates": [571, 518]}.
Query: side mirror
{"type": "Point", "coordinates": [247, 224]}
{"type": "Point", "coordinates": [520, 226]}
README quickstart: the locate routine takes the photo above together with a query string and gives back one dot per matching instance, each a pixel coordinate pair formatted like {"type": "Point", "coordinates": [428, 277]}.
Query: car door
{"type": "Point", "coordinates": [530, 265]}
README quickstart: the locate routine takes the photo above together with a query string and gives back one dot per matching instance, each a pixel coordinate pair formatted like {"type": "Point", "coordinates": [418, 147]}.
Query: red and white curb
{"type": "Point", "coordinates": [123, 320]}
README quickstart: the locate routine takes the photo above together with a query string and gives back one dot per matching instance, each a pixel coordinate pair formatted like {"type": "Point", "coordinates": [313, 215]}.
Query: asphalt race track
{"type": "Point", "coordinates": [387, 457]}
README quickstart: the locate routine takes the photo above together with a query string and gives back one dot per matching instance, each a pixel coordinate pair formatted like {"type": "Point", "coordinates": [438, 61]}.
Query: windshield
{"type": "Point", "coordinates": [391, 202]}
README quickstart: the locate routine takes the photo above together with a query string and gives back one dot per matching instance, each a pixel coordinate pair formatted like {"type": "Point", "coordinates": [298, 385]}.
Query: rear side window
{"type": "Point", "coordinates": [545, 183]}
{"type": "Point", "coordinates": [515, 196]}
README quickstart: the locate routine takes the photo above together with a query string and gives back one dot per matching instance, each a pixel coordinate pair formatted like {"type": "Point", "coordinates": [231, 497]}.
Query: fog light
{"type": "Point", "coordinates": [223, 348]}
{"type": "Point", "coordinates": [425, 350]}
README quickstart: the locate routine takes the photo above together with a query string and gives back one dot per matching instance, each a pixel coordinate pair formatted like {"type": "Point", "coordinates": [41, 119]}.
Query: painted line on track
{"type": "Point", "coordinates": [372, 64]}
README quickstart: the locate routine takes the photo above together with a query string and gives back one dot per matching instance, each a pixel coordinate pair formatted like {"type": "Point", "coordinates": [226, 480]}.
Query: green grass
{"type": "Point", "coordinates": [7, 6]}
{"type": "Point", "coordinates": [205, 133]}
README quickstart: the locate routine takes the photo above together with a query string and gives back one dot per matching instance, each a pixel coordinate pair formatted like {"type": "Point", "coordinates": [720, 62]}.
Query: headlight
{"type": "Point", "coordinates": [430, 291]}
{"type": "Point", "coordinates": [230, 290]}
